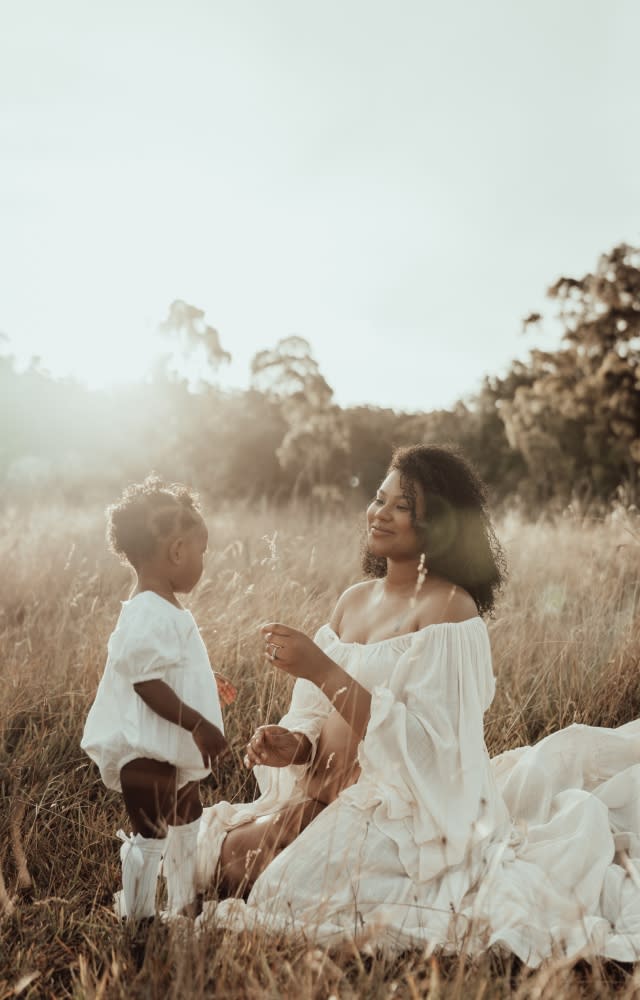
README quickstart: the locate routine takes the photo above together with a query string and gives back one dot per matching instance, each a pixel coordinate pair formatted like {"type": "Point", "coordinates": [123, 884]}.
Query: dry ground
{"type": "Point", "coordinates": [566, 648]}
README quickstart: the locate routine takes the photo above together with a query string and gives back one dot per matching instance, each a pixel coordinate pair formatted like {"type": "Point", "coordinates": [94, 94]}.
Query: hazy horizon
{"type": "Point", "coordinates": [397, 185]}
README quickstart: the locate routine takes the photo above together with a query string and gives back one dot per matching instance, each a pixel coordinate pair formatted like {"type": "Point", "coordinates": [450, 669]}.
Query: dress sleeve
{"type": "Point", "coordinates": [423, 758]}
{"type": "Point", "coordinates": [308, 709]}
{"type": "Point", "coordinates": [144, 647]}
{"type": "Point", "coordinates": [307, 712]}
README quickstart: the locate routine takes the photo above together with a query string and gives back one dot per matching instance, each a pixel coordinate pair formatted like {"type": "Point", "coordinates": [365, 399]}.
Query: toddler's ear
{"type": "Point", "coordinates": [175, 551]}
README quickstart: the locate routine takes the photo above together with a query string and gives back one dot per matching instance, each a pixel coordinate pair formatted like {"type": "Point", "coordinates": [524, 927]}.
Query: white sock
{"type": "Point", "coordinates": [140, 857]}
{"type": "Point", "coordinates": [179, 865]}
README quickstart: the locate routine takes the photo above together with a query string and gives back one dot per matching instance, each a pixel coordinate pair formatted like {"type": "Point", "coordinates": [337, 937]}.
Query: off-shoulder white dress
{"type": "Point", "coordinates": [536, 851]}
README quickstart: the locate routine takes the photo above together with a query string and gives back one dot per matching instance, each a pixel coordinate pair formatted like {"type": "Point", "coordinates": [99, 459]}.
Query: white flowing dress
{"type": "Point", "coordinates": [536, 852]}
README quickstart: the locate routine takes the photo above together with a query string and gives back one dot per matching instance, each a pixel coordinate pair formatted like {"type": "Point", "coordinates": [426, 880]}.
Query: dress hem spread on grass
{"type": "Point", "coordinates": [536, 852]}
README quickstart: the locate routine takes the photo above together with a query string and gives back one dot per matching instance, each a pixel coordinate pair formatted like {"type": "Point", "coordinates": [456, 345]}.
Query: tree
{"type": "Point", "coordinates": [290, 373]}
{"type": "Point", "coordinates": [316, 441]}
{"type": "Point", "coordinates": [195, 341]}
{"type": "Point", "coordinates": [576, 416]}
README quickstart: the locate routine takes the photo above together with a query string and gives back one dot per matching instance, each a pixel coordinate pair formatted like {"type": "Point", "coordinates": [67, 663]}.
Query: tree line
{"type": "Point", "coordinates": [559, 425]}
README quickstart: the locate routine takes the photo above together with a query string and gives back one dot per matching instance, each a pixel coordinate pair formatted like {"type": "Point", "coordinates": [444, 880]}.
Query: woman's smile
{"type": "Point", "coordinates": [390, 523]}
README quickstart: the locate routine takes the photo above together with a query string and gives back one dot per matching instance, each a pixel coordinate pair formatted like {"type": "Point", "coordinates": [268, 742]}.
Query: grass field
{"type": "Point", "coordinates": [566, 642]}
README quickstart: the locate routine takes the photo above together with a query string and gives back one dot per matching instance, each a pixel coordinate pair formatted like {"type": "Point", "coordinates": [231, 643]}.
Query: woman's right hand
{"type": "Point", "coordinates": [275, 746]}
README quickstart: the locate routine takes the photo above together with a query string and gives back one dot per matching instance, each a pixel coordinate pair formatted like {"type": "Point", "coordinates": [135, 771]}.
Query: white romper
{"type": "Point", "coordinates": [152, 639]}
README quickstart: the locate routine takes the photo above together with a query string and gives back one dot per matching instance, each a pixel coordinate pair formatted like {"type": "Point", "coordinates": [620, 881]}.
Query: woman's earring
{"type": "Point", "coordinates": [423, 569]}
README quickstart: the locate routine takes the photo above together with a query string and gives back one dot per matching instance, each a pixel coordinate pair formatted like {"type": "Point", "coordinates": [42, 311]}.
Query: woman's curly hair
{"type": "Point", "coordinates": [147, 513]}
{"type": "Point", "coordinates": [456, 533]}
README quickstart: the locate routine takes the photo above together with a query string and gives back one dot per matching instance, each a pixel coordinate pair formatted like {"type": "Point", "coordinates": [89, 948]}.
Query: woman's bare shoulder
{"type": "Point", "coordinates": [351, 596]}
{"type": "Point", "coordinates": [444, 602]}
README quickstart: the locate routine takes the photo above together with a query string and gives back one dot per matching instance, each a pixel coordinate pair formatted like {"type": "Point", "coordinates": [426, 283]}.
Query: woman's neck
{"type": "Point", "coordinates": [402, 577]}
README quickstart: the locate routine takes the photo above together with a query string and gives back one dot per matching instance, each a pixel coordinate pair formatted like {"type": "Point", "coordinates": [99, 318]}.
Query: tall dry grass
{"type": "Point", "coordinates": [565, 641]}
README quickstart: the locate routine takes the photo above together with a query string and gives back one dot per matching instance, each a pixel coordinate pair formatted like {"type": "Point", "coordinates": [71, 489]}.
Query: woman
{"type": "Point", "coordinates": [381, 816]}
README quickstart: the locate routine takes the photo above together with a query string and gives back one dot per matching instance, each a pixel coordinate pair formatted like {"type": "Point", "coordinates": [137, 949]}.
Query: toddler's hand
{"type": "Point", "coordinates": [226, 690]}
{"type": "Point", "coordinates": [209, 741]}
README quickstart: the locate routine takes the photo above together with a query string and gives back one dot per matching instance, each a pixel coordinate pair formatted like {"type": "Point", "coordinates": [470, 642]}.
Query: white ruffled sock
{"type": "Point", "coordinates": [140, 858]}
{"type": "Point", "coordinates": [179, 865]}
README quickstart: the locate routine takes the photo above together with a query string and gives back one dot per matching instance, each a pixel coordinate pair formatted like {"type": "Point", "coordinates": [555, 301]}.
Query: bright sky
{"type": "Point", "coordinates": [396, 182]}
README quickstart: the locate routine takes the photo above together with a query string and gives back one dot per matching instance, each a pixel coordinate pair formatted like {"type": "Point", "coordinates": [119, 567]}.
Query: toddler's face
{"type": "Point", "coordinates": [189, 570]}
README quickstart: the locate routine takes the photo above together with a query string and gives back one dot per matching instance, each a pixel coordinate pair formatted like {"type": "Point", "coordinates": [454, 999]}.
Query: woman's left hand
{"type": "Point", "coordinates": [294, 652]}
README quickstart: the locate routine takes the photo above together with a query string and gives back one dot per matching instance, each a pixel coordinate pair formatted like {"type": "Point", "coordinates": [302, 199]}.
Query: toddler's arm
{"type": "Point", "coordinates": [163, 700]}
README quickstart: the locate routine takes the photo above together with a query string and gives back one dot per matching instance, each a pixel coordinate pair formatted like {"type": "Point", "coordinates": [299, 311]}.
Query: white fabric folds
{"type": "Point", "coordinates": [536, 852]}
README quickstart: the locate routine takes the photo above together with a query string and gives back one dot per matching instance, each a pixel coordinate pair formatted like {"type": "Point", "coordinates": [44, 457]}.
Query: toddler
{"type": "Point", "coordinates": [155, 725]}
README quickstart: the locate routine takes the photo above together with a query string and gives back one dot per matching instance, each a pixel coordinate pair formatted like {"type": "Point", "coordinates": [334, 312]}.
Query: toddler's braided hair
{"type": "Point", "coordinates": [148, 512]}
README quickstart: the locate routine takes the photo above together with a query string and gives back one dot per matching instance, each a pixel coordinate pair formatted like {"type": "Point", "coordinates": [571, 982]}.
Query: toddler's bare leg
{"type": "Point", "coordinates": [150, 795]}
{"type": "Point", "coordinates": [152, 799]}
{"type": "Point", "coordinates": [248, 849]}
{"type": "Point", "coordinates": [158, 809]}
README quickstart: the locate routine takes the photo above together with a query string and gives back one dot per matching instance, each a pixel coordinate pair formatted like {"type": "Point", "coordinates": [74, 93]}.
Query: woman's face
{"type": "Point", "coordinates": [391, 533]}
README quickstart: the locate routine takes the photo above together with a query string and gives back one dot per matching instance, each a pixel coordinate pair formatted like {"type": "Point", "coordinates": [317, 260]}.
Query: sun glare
{"type": "Point", "coordinates": [99, 362]}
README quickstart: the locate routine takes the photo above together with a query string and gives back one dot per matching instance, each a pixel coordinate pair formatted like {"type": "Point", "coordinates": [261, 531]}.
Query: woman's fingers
{"type": "Point", "coordinates": [279, 643]}
{"type": "Point", "coordinates": [273, 629]}
{"type": "Point", "coordinates": [271, 749]}
{"type": "Point", "coordinates": [250, 760]}
{"type": "Point", "coordinates": [256, 752]}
